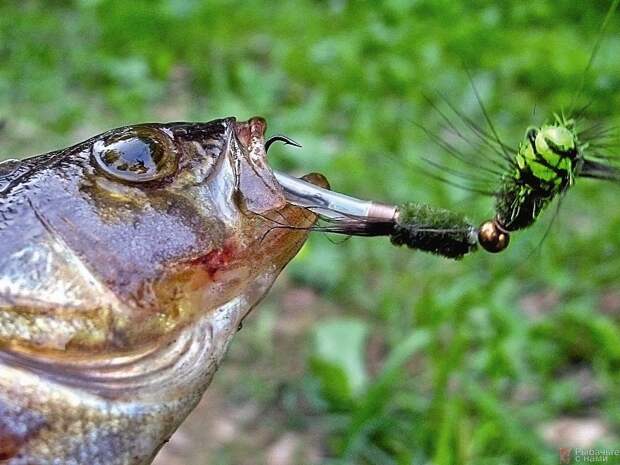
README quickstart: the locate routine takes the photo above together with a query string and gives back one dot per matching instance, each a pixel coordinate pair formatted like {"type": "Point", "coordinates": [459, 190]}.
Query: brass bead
{"type": "Point", "coordinates": [492, 238]}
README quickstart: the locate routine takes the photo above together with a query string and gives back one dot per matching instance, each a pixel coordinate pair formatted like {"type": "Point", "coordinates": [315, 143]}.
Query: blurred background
{"type": "Point", "coordinates": [364, 353]}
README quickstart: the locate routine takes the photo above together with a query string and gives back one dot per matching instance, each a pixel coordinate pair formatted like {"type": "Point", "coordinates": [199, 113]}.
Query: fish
{"type": "Point", "coordinates": [127, 264]}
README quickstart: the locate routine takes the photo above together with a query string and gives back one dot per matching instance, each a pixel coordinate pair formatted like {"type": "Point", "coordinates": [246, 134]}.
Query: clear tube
{"type": "Point", "coordinates": [328, 203]}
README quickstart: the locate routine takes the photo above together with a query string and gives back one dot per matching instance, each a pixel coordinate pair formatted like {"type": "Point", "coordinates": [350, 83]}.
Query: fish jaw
{"type": "Point", "coordinates": [118, 412]}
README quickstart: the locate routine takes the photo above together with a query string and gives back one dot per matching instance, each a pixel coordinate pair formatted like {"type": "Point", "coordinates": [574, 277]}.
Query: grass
{"type": "Point", "coordinates": [471, 359]}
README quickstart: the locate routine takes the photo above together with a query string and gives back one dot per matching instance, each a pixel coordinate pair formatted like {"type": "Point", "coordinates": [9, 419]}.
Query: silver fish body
{"type": "Point", "coordinates": [127, 263]}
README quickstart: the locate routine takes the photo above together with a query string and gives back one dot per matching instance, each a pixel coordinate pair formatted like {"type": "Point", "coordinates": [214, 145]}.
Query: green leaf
{"type": "Point", "coordinates": [338, 358]}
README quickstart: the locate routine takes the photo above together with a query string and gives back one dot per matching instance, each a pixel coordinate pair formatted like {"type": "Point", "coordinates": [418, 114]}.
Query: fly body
{"type": "Point", "coordinates": [545, 166]}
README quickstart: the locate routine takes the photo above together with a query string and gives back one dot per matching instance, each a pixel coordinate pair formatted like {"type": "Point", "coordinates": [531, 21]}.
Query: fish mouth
{"type": "Point", "coordinates": [257, 184]}
{"type": "Point", "coordinates": [265, 190]}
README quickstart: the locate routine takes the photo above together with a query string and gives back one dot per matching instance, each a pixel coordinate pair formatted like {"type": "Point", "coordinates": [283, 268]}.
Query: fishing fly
{"type": "Point", "coordinates": [524, 180]}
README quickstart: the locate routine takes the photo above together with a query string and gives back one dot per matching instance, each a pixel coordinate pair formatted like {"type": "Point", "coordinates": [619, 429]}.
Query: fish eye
{"type": "Point", "coordinates": [136, 155]}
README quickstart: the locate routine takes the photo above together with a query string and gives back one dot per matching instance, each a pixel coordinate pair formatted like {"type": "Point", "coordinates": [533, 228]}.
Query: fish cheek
{"type": "Point", "coordinates": [243, 265]}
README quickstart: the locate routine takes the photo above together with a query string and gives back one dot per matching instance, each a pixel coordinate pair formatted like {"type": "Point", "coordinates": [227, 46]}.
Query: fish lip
{"type": "Point", "coordinates": [257, 186]}
{"type": "Point", "coordinates": [251, 132]}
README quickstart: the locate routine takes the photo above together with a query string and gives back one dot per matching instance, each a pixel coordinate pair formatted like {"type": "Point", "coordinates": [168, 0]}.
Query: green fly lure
{"type": "Point", "coordinates": [544, 167]}
{"type": "Point", "coordinates": [523, 181]}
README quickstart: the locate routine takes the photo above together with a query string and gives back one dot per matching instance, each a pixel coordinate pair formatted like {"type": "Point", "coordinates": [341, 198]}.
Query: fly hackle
{"type": "Point", "coordinates": [599, 170]}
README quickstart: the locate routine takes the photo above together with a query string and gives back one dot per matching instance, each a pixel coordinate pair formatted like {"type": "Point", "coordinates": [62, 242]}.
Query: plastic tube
{"type": "Point", "coordinates": [329, 203]}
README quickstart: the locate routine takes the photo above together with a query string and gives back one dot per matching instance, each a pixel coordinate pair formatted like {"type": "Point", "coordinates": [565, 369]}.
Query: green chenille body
{"type": "Point", "coordinates": [545, 165]}
{"type": "Point", "coordinates": [434, 230]}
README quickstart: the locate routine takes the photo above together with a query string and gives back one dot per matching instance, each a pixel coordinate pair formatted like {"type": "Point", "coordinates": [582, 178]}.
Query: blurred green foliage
{"type": "Point", "coordinates": [478, 353]}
